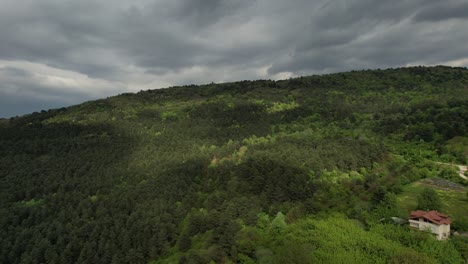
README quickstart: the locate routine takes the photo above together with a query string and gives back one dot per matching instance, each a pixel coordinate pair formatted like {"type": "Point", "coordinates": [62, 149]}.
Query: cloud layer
{"type": "Point", "coordinates": [56, 53]}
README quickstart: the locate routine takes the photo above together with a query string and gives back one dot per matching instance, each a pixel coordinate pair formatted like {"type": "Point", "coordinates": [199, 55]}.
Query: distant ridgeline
{"type": "Point", "coordinates": [291, 171]}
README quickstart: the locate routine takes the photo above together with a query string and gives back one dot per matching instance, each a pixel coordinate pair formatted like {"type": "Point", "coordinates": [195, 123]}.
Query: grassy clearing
{"type": "Point", "coordinates": [454, 202]}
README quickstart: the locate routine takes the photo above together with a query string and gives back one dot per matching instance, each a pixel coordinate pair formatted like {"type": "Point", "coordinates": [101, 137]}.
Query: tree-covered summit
{"type": "Point", "coordinates": [242, 172]}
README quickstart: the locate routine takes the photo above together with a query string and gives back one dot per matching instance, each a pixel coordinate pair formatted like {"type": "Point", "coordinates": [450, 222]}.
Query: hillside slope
{"type": "Point", "coordinates": [218, 172]}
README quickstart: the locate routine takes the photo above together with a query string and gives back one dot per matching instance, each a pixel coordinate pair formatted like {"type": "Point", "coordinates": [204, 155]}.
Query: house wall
{"type": "Point", "coordinates": [444, 229]}
{"type": "Point", "coordinates": [439, 230]}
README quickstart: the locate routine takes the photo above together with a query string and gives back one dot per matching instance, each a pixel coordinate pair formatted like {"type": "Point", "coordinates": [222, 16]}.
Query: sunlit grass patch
{"type": "Point", "coordinates": [279, 107]}
{"type": "Point", "coordinates": [454, 202]}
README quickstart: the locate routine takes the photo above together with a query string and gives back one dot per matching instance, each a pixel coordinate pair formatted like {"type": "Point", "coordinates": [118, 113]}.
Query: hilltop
{"type": "Point", "coordinates": [244, 172]}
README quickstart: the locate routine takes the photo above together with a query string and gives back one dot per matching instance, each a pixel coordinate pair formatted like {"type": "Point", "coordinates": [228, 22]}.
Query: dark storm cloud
{"type": "Point", "coordinates": [16, 72]}
{"type": "Point", "coordinates": [18, 105]}
{"type": "Point", "coordinates": [206, 12]}
{"type": "Point", "coordinates": [443, 10]}
{"type": "Point", "coordinates": [27, 87]}
{"type": "Point", "coordinates": [113, 46]}
{"type": "Point", "coordinates": [29, 98]}
{"type": "Point", "coordinates": [23, 84]}
{"type": "Point", "coordinates": [373, 34]}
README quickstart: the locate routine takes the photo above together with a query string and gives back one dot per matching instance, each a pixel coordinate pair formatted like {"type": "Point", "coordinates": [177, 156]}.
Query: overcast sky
{"type": "Point", "coordinates": [55, 53]}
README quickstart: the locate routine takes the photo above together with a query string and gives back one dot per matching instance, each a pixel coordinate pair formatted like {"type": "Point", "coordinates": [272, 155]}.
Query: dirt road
{"type": "Point", "coordinates": [461, 169]}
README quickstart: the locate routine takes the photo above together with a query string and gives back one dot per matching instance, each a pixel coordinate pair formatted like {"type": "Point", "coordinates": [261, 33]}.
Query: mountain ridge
{"type": "Point", "coordinates": [200, 86]}
{"type": "Point", "coordinates": [236, 172]}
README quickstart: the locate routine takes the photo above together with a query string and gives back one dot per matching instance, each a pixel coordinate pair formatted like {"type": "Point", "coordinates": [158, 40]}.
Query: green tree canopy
{"type": "Point", "coordinates": [429, 200]}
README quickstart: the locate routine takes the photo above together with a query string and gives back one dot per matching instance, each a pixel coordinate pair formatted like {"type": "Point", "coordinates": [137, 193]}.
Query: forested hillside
{"type": "Point", "coordinates": [293, 171]}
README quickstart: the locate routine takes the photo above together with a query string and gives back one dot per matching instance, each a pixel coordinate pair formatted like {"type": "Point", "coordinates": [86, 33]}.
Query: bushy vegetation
{"type": "Point", "coordinates": [293, 171]}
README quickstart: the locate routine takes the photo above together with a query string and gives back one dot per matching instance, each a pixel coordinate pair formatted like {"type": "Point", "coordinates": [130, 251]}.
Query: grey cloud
{"type": "Point", "coordinates": [58, 34]}
{"type": "Point", "coordinates": [32, 86]}
{"type": "Point", "coordinates": [338, 13]}
{"type": "Point", "coordinates": [21, 84]}
{"type": "Point", "coordinates": [28, 98]}
{"type": "Point", "coordinates": [442, 11]}
{"type": "Point", "coordinates": [206, 12]}
{"type": "Point", "coordinates": [19, 105]}
{"type": "Point", "coordinates": [385, 37]}
{"type": "Point", "coordinates": [164, 50]}
{"type": "Point", "coordinates": [16, 72]}
{"type": "Point", "coordinates": [199, 41]}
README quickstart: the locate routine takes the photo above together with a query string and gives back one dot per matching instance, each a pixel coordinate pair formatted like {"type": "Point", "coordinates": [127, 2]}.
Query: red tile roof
{"type": "Point", "coordinates": [433, 216]}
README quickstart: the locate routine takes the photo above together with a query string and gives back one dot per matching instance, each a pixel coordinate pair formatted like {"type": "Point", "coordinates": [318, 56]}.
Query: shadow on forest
{"type": "Point", "coordinates": [39, 159]}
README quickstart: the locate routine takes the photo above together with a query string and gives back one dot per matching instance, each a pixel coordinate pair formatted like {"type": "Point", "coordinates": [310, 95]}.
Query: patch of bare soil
{"type": "Point", "coordinates": [443, 184]}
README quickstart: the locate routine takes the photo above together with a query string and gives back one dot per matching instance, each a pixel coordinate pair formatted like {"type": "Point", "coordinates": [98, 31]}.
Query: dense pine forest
{"type": "Point", "coordinates": [305, 170]}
